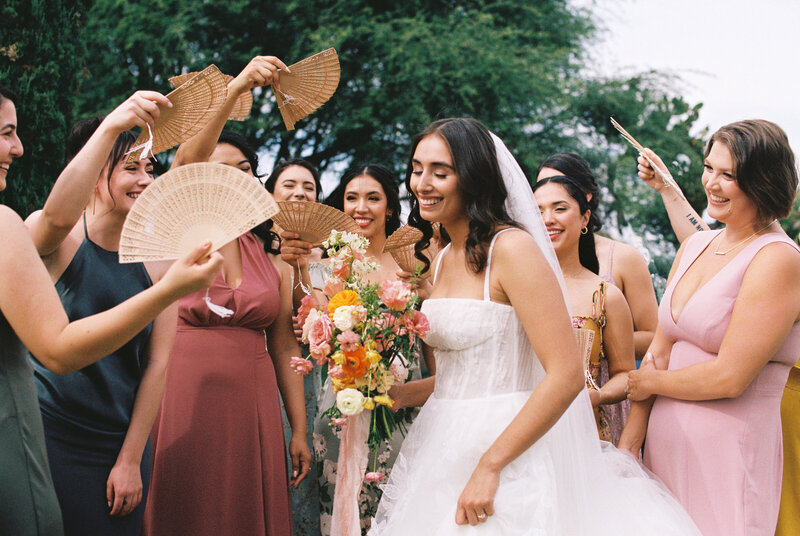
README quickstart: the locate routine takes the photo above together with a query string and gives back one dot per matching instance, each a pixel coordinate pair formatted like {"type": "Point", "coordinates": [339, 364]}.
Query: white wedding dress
{"type": "Point", "coordinates": [565, 484]}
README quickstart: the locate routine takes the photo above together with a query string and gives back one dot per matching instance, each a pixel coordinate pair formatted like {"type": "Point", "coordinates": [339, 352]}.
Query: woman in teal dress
{"type": "Point", "coordinates": [31, 314]}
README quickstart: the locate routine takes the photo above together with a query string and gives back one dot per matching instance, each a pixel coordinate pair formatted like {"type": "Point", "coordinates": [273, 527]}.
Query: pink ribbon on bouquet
{"type": "Point", "coordinates": [353, 460]}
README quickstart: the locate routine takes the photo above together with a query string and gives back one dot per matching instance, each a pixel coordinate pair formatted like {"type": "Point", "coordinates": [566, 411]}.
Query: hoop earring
{"type": "Point", "coordinates": [585, 230]}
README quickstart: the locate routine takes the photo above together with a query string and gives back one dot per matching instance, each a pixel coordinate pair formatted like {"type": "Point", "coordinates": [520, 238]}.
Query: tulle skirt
{"type": "Point", "coordinates": [567, 483]}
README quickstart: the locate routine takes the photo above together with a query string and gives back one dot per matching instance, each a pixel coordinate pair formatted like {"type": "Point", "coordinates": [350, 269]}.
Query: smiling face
{"type": "Point", "coordinates": [365, 201]}
{"type": "Point", "coordinates": [434, 181]}
{"type": "Point", "coordinates": [10, 145]}
{"type": "Point", "coordinates": [562, 216]}
{"type": "Point", "coordinates": [726, 201]}
{"type": "Point", "coordinates": [128, 180]}
{"type": "Point", "coordinates": [295, 183]}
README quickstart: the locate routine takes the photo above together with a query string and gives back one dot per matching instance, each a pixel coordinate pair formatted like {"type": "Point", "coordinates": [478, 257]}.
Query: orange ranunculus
{"type": "Point", "coordinates": [343, 297]}
{"type": "Point", "coordinates": [355, 363]}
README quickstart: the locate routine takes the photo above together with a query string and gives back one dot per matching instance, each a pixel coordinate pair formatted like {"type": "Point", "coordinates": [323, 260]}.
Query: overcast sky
{"type": "Point", "coordinates": [737, 57]}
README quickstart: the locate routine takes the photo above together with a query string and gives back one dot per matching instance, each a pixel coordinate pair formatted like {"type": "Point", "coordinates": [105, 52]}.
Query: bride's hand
{"type": "Point", "coordinates": [476, 502]}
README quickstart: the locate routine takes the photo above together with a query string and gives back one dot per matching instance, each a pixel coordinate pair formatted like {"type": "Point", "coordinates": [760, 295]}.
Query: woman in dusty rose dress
{"type": "Point", "coordinates": [219, 458]}
{"type": "Point", "coordinates": [728, 335]}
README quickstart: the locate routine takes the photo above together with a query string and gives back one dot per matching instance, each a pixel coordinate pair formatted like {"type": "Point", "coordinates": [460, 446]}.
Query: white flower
{"type": "Point", "coordinates": [343, 317]}
{"type": "Point", "coordinates": [329, 471]}
{"type": "Point", "coordinates": [325, 522]}
{"type": "Point", "coordinates": [320, 448]}
{"type": "Point", "coordinates": [349, 401]}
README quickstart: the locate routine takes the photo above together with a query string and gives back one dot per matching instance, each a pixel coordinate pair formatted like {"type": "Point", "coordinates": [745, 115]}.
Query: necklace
{"type": "Point", "coordinates": [740, 242]}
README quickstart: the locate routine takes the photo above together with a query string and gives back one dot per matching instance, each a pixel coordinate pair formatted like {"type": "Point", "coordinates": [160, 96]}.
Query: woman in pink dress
{"type": "Point", "coordinates": [219, 463]}
{"type": "Point", "coordinates": [728, 335]}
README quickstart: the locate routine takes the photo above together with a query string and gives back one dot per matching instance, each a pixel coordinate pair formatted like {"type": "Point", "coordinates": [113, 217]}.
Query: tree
{"type": "Point", "coordinates": [40, 55]}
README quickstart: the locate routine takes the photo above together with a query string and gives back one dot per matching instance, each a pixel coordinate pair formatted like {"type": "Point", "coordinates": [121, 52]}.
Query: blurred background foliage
{"type": "Point", "coordinates": [519, 66]}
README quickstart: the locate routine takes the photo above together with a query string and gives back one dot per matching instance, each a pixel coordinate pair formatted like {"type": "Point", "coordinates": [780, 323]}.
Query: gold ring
{"type": "Point", "coordinates": [481, 517]}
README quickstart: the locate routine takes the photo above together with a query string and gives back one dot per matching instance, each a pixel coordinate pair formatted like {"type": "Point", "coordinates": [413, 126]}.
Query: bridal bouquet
{"type": "Point", "coordinates": [365, 335]}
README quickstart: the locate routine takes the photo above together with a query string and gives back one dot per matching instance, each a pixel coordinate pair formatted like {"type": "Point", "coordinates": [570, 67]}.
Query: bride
{"type": "Point", "coordinates": [507, 442]}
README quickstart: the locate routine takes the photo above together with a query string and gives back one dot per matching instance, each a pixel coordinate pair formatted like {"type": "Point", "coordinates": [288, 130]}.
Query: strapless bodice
{"type": "Point", "coordinates": [481, 349]}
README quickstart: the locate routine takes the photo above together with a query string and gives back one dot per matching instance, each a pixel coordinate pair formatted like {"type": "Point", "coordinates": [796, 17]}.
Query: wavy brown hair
{"type": "Point", "coordinates": [480, 183]}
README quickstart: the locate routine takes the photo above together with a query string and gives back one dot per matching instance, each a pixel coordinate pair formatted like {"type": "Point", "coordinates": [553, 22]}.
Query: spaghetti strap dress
{"type": "Point", "coordinates": [219, 465]}
{"type": "Point", "coordinates": [721, 458]}
{"type": "Point", "coordinates": [86, 414]}
{"type": "Point", "coordinates": [28, 502]}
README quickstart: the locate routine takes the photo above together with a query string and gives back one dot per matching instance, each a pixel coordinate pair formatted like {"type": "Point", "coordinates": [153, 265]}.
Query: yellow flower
{"type": "Point", "coordinates": [368, 404]}
{"type": "Point", "coordinates": [343, 297]}
{"type": "Point", "coordinates": [338, 357]}
{"type": "Point", "coordinates": [373, 356]}
{"type": "Point", "coordinates": [340, 384]}
{"type": "Point", "coordinates": [384, 399]}
{"type": "Point", "coordinates": [370, 345]}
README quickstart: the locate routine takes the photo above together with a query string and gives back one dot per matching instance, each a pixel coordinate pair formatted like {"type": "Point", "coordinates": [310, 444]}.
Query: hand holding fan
{"type": "Point", "coordinates": [194, 103]}
{"type": "Point", "coordinates": [666, 178]}
{"type": "Point", "coordinates": [190, 205]}
{"type": "Point", "coordinates": [310, 84]}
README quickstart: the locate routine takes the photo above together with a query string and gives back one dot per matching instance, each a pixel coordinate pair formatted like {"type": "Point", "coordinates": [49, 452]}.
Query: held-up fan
{"type": "Point", "coordinates": [241, 110]}
{"type": "Point", "coordinates": [310, 84]}
{"type": "Point", "coordinates": [312, 221]}
{"type": "Point", "coordinates": [401, 247]}
{"type": "Point", "coordinates": [193, 105]}
{"type": "Point", "coordinates": [190, 205]}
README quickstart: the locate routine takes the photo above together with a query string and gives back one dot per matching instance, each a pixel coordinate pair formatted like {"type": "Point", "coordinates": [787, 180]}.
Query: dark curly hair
{"type": "Point", "coordinates": [479, 181]}
{"type": "Point", "coordinates": [586, 245]}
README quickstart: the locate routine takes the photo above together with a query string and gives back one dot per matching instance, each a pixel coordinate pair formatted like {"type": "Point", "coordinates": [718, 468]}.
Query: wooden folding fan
{"type": "Point", "coordinates": [194, 103]}
{"type": "Point", "coordinates": [190, 205]}
{"type": "Point", "coordinates": [243, 105]}
{"type": "Point", "coordinates": [310, 84]}
{"type": "Point", "coordinates": [313, 221]}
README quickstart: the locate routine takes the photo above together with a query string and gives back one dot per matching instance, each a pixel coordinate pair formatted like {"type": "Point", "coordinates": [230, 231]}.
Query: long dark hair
{"type": "Point", "coordinates": [480, 182]}
{"type": "Point", "coordinates": [573, 166]}
{"type": "Point", "coordinates": [388, 182]}
{"type": "Point", "coordinates": [586, 246]}
{"type": "Point", "coordinates": [81, 132]}
{"type": "Point", "coordinates": [263, 230]}
{"type": "Point", "coordinates": [283, 164]}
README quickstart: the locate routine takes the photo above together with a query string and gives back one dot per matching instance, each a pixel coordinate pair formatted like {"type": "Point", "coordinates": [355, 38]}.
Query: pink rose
{"type": "Point", "coordinates": [321, 331]}
{"type": "Point", "coordinates": [395, 294]}
{"type": "Point", "coordinates": [336, 372]}
{"type": "Point", "coordinates": [320, 352]}
{"type": "Point", "coordinates": [374, 476]}
{"type": "Point", "coordinates": [332, 286]}
{"type": "Point", "coordinates": [301, 366]}
{"type": "Point", "coordinates": [308, 303]}
{"type": "Point", "coordinates": [348, 340]}
{"type": "Point", "coordinates": [311, 319]}
{"type": "Point", "coordinates": [417, 323]}
{"type": "Point", "coordinates": [399, 371]}
{"type": "Point", "coordinates": [359, 313]}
